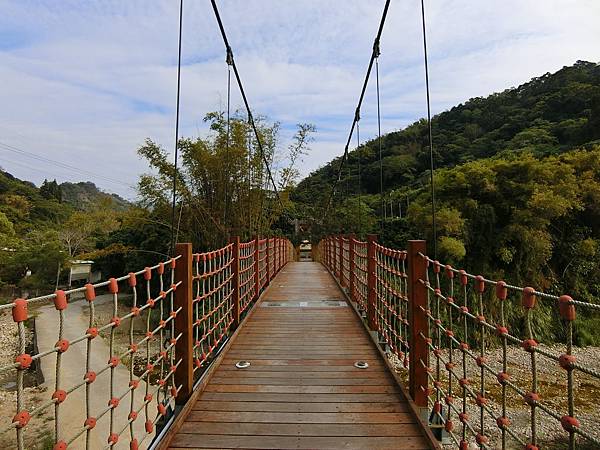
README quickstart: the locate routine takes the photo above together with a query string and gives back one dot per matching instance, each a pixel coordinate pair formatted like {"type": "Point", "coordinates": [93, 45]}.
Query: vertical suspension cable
{"type": "Point", "coordinates": [359, 179]}
{"type": "Point", "coordinates": [249, 139]}
{"type": "Point", "coordinates": [433, 220]}
{"type": "Point", "coordinates": [382, 205]}
{"type": "Point", "coordinates": [176, 131]}
{"type": "Point", "coordinates": [229, 63]}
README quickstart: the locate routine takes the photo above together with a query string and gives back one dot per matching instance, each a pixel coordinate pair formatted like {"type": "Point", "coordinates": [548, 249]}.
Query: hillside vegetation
{"type": "Point", "coordinates": [517, 181]}
{"type": "Point", "coordinates": [549, 114]}
{"type": "Point", "coordinates": [41, 229]}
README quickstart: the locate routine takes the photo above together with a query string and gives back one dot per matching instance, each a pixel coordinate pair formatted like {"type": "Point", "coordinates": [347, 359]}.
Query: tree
{"type": "Point", "coordinates": [51, 190]}
{"type": "Point", "coordinates": [222, 184]}
{"type": "Point", "coordinates": [83, 228]}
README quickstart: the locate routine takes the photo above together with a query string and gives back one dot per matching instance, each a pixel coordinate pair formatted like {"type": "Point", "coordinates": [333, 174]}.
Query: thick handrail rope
{"type": "Point", "coordinates": [433, 220]}
{"type": "Point", "coordinates": [239, 82]}
{"type": "Point", "coordinates": [374, 54]}
{"type": "Point", "coordinates": [176, 131]}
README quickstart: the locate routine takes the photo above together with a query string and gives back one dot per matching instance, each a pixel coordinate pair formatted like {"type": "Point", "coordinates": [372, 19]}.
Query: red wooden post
{"type": "Point", "coordinates": [235, 298]}
{"type": "Point", "coordinates": [184, 375]}
{"type": "Point", "coordinates": [371, 281]}
{"type": "Point", "coordinates": [417, 299]}
{"type": "Point", "coordinates": [281, 249]}
{"type": "Point", "coordinates": [351, 238]}
{"type": "Point", "coordinates": [256, 267]}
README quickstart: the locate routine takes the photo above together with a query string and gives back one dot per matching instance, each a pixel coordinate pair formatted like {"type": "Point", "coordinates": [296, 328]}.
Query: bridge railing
{"type": "Point", "coordinates": [450, 329]}
{"type": "Point", "coordinates": [175, 316]}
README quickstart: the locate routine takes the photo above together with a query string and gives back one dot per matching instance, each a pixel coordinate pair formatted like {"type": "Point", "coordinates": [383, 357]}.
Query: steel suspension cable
{"type": "Point", "coordinates": [374, 53]}
{"type": "Point", "coordinates": [176, 130]}
{"type": "Point", "coordinates": [228, 133]}
{"type": "Point", "coordinates": [382, 212]}
{"type": "Point", "coordinates": [433, 218]}
{"type": "Point", "coordinates": [245, 99]}
{"type": "Point", "coordinates": [359, 179]}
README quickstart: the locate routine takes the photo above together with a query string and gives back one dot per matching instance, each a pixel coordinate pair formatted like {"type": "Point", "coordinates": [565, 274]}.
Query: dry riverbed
{"type": "Point", "coordinates": [552, 382]}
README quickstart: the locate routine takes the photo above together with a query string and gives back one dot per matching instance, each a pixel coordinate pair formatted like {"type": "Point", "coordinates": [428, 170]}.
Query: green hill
{"type": "Point", "coordinates": [85, 193]}
{"type": "Point", "coordinates": [549, 114]}
{"type": "Point", "coordinates": [517, 182]}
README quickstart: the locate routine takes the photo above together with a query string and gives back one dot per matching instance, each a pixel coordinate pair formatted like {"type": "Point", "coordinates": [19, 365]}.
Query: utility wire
{"type": "Point", "coordinates": [176, 130]}
{"type": "Point", "coordinates": [250, 118]}
{"type": "Point", "coordinates": [433, 219]}
{"type": "Point", "coordinates": [374, 54]}
{"type": "Point", "coordinates": [17, 150]}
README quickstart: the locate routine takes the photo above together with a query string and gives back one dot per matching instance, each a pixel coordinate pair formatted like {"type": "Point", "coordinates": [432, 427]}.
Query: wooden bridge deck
{"type": "Point", "coordinates": [302, 389]}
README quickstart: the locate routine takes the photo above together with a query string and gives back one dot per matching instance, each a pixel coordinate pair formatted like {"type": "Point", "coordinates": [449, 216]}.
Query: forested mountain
{"type": "Point", "coordinates": [85, 193]}
{"type": "Point", "coordinates": [42, 228]}
{"type": "Point", "coordinates": [549, 114]}
{"type": "Point", "coordinates": [517, 182]}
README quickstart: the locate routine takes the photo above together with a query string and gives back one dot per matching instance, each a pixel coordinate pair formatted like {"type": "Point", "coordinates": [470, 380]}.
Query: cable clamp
{"type": "Point", "coordinates": [229, 59]}
{"type": "Point", "coordinates": [376, 48]}
{"type": "Point", "coordinates": [357, 115]}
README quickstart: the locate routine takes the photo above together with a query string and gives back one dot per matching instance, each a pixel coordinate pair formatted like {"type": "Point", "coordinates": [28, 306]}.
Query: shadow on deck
{"type": "Point", "coordinates": [301, 390]}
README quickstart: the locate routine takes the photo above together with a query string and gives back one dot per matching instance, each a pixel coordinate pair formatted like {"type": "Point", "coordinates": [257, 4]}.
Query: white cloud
{"type": "Point", "coordinates": [87, 82]}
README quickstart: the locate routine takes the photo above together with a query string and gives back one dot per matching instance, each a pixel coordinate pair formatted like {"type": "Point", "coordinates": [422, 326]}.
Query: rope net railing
{"type": "Point", "coordinates": [473, 347]}
{"type": "Point", "coordinates": [248, 266]}
{"type": "Point", "coordinates": [213, 305]}
{"type": "Point", "coordinates": [391, 301]}
{"type": "Point", "coordinates": [359, 275]}
{"type": "Point", "coordinates": [118, 365]}
{"type": "Point", "coordinates": [101, 395]}
{"type": "Point", "coordinates": [262, 263]}
{"type": "Point", "coordinates": [465, 324]}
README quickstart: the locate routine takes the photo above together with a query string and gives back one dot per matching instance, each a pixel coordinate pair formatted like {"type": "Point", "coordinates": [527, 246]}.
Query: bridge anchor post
{"type": "Point", "coordinates": [418, 379]}
{"type": "Point", "coordinates": [184, 375]}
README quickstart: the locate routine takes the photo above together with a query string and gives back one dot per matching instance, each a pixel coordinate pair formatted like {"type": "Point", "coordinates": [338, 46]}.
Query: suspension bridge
{"type": "Point", "coordinates": [245, 346]}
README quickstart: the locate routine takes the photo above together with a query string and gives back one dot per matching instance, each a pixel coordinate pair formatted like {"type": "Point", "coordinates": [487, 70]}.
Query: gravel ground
{"type": "Point", "coordinates": [552, 382]}
{"type": "Point", "coordinates": [41, 427]}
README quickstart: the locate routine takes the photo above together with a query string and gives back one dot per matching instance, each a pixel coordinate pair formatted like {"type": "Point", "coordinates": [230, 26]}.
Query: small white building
{"type": "Point", "coordinates": [81, 270]}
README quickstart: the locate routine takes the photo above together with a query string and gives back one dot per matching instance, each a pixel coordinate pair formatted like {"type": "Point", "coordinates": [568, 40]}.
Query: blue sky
{"type": "Point", "coordinates": [85, 82]}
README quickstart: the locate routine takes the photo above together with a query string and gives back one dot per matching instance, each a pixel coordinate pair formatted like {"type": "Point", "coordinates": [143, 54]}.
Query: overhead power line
{"type": "Point", "coordinates": [231, 60]}
{"type": "Point", "coordinates": [374, 54]}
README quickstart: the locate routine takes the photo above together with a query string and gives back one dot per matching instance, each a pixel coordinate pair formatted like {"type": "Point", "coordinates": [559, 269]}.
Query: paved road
{"type": "Point", "coordinates": [72, 411]}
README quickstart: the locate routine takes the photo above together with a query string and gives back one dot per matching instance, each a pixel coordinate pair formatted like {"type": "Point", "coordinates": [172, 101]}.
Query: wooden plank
{"type": "Point", "coordinates": [211, 405]}
{"type": "Point", "coordinates": [188, 441]}
{"type": "Point", "coordinates": [373, 362]}
{"type": "Point", "coordinates": [288, 397]}
{"type": "Point", "coordinates": [288, 417]}
{"type": "Point", "coordinates": [301, 429]}
{"type": "Point", "coordinates": [300, 374]}
{"type": "Point", "coordinates": [302, 389]}
{"type": "Point", "coordinates": [295, 368]}
{"type": "Point", "coordinates": [292, 381]}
